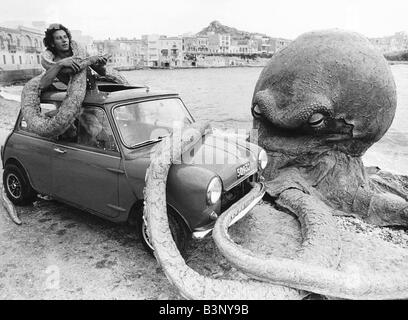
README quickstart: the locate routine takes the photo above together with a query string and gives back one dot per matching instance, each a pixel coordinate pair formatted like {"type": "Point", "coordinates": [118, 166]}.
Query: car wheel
{"type": "Point", "coordinates": [178, 228]}
{"type": "Point", "coordinates": [17, 185]}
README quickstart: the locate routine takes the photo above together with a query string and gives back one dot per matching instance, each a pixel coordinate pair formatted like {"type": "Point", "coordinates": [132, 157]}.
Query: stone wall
{"type": "Point", "coordinates": [8, 77]}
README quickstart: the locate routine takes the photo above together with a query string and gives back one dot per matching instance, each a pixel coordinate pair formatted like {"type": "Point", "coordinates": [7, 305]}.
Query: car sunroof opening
{"type": "Point", "coordinates": [116, 87]}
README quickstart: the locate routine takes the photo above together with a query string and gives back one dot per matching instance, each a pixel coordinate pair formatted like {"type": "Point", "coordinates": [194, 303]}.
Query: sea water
{"type": "Point", "coordinates": [223, 97]}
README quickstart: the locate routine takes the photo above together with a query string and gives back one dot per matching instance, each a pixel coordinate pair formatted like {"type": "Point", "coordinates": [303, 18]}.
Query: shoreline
{"type": "Point", "coordinates": [13, 82]}
{"type": "Point", "coordinates": [202, 67]}
{"type": "Point", "coordinates": [397, 62]}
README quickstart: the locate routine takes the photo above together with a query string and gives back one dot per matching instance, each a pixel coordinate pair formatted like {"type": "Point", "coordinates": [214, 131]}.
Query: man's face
{"type": "Point", "coordinates": [61, 40]}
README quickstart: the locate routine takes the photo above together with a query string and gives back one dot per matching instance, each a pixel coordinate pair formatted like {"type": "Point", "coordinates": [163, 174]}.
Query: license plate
{"type": "Point", "coordinates": [243, 170]}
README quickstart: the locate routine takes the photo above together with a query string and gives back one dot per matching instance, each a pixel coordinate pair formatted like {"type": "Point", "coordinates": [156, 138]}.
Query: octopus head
{"type": "Point", "coordinates": [327, 90]}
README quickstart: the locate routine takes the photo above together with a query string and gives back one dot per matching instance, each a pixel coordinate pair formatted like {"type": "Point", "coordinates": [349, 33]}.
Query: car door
{"type": "Point", "coordinates": [34, 152]}
{"type": "Point", "coordinates": [85, 164]}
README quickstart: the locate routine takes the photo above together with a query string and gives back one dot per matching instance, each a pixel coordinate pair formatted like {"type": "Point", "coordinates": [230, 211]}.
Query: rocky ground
{"type": "Point", "coordinates": [63, 253]}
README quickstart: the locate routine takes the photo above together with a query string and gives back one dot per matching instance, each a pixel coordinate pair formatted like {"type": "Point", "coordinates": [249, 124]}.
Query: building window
{"type": "Point", "coordinates": [38, 58]}
{"type": "Point", "coordinates": [21, 60]}
{"type": "Point", "coordinates": [4, 59]}
{"type": "Point", "coordinates": [12, 59]}
{"type": "Point", "coordinates": [9, 39]}
{"type": "Point", "coordinates": [28, 41]}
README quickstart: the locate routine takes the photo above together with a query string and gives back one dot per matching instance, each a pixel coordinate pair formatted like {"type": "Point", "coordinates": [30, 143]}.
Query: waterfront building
{"type": "Point", "coordinates": [202, 44]}
{"type": "Point", "coordinates": [396, 42]}
{"type": "Point", "coordinates": [257, 40]}
{"type": "Point", "coordinates": [151, 50]}
{"type": "Point", "coordinates": [171, 51]}
{"type": "Point", "coordinates": [125, 53]}
{"type": "Point", "coordinates": [85, 41]}
{"type": "Point", "coordinates": [162, 51]}
{"type": "Point", "coordinates": [195, 44]}
{"type": "Point", "coordinates": [189, 44]}
{"type": "Point", "coordinates": [219, 43]}
{"type": "Point", "coordinates": [20, 48]}
{"type": "Point", "coordinates": [265, 45]}
{"type": "Point", "coordinates": [257, 44]}
{"type": "Point", "coordinates": [20, 51]}
{"type": "Point", "coordinates": [244, 46]}
{"type": "Point", "coordinates": [234, 47]}
{"type": "Point", "coordinates": [277, 44]}
{"type": "Point", "coordinates": [21, 45]}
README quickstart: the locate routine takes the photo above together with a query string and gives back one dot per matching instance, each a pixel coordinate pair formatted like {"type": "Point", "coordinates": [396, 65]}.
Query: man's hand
{"type": "Point", "coordinates": [69, 63]}
{"type": "Point", "coordinates": [100, 59]}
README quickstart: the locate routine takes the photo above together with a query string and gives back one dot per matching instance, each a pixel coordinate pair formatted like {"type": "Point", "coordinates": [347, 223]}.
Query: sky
{"type": "Point", "coordinates": [282, 18]}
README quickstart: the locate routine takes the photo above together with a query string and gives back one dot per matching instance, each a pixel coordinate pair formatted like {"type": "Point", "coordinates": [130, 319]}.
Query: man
{"type": "Point", "coordinates": [58, 58]}
{"type": "Point", "coordinates": [59, 61]}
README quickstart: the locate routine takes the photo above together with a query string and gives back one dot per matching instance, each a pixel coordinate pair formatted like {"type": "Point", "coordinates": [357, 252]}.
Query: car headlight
{"type": "Point", "coordinates": [214, 190]}
{"type": "Point", "coordinates": [262, 159]}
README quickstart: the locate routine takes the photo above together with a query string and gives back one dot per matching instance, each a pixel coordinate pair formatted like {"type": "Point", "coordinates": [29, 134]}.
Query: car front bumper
{"type": "Point", "coordinates": [203, 233]}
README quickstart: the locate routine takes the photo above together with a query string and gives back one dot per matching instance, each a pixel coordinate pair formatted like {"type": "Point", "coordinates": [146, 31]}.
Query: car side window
{"type": "Point", "coordinates": [94, 129]}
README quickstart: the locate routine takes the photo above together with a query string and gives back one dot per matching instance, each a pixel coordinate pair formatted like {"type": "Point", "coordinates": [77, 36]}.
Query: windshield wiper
{"type": "Point", "coordinates": [147, 142]}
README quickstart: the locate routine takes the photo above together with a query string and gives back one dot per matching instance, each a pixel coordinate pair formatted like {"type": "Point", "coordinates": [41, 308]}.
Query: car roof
{"type": "Point", "coordinates": [110, 93]}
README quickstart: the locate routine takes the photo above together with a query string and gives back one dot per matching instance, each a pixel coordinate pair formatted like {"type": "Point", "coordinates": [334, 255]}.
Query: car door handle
{"type": "Point", "coordinates": [59, 150]}
{"type": "Point", "coordinates": [115, 170]}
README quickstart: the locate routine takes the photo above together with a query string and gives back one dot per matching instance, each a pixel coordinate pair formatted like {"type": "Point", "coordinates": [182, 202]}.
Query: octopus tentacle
{"type": "Point", "coordinates": [388, 182]}
{"type": "Point", "coordinates": [314, 267]}
{"type": "Point", "coordinates": [191, 284]}
{"type": "Point", "coordinates": [70, 106]}
{"type": "Point", "coordinates": [9, 207]}
{"type": "Point", "coordinates": [113, 75]}
{"type": "Point", "coordinates": [381, 209]}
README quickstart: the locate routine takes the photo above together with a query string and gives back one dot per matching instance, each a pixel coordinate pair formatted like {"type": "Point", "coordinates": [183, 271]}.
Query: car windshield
{"type": "Point", "coordinates": [149, 121]}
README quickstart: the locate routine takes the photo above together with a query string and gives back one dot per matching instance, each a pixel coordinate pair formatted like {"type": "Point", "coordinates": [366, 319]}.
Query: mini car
{"type": "Point", "coordinates": [99, 164]}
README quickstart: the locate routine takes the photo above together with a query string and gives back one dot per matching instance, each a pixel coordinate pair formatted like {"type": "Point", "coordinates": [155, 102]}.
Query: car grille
{"type": "Point", "coordinates": [228, 198]}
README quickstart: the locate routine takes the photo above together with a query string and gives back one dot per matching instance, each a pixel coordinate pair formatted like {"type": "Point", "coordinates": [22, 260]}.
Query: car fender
{"type": "Point", "coordinates": [186, 189]}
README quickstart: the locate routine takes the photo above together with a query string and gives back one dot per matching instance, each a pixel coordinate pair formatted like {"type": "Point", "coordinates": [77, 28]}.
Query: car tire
{"type": "Point", "coordinates": [17, 186]}
{"type": "Point", "coordinates": [179, 231]}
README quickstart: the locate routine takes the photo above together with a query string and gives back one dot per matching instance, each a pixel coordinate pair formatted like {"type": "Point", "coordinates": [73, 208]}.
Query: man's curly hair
{"type": "Point", "coordinates": [49, 39]}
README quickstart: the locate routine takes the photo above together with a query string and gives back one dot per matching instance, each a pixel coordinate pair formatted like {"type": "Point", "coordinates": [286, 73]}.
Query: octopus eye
{"type": "Point", "coordinates": [255, 111]}
{"type": "Point", "coordinates": [316, 120]}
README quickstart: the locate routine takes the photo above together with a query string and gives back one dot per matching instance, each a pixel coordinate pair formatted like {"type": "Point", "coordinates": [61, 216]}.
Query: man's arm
{"type": "Point", "coordinates": [49, 76]}
{"type": "Point", "coordinates": [62, 68]}
{"type": "Point", "coordinates": [99, 63]}
{"type": "Point", "coordinates": [66, 66]}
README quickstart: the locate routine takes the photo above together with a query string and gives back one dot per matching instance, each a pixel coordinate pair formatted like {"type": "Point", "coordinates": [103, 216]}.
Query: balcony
{"type": "Point", "coordinates": [30, 49]}
{"type": "Point", "coordinates": [12, 48]}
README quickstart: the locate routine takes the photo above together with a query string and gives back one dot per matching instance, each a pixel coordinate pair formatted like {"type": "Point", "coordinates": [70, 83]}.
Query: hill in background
{"type": "Point", "coordinates": [217, 27]}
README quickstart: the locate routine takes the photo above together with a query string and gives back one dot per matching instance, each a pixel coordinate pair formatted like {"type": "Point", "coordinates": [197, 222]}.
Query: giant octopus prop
{"type": "Point", "coordinates": [318, 105]}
